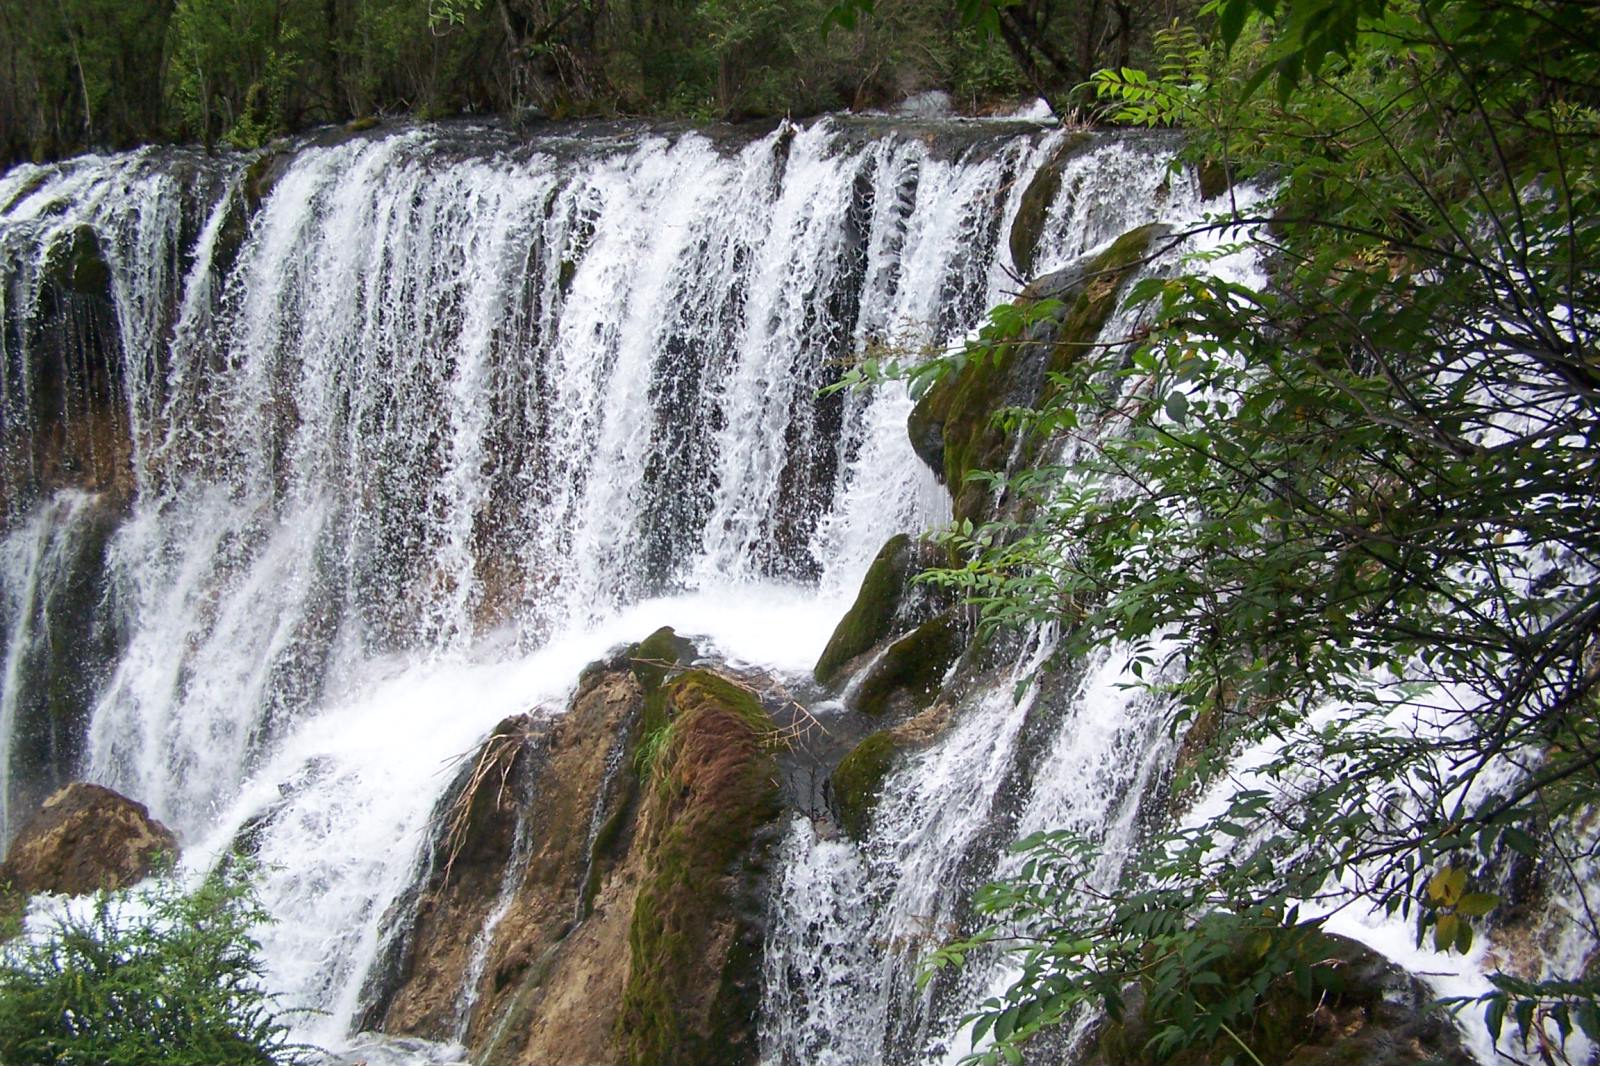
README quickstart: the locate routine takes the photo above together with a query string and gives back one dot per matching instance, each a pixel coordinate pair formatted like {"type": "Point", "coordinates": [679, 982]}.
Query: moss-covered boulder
{"type": "Point", "coordinates": [1034, 207]}
{"type": "Point", "coordinates": [1361, 1011]}
{"type": "Point", "coordinates": [953, 425]}
{"type": "Point", "coordinates": [660, 655]}
{"type": "Point", "coordinates": [695, 937]}
{"type": "Point", "coordinates": [857, 781]}
{"type": "Point", "coordinates": [871, 616]}
{"type": "Point", "coordinates": [911, 667]}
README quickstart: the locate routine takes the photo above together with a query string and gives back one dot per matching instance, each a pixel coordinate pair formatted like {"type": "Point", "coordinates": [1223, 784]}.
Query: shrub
{"type": "Point", "coordinates": [152, 975]}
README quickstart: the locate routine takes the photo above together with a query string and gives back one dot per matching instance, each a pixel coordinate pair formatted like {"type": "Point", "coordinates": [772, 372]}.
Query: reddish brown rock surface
{"type": "Point", "coordinates": [82, 839]}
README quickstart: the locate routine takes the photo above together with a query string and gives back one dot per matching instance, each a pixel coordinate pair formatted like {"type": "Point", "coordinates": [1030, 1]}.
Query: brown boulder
{"type": "Point", "coordinates": [85, 838]}
{"type": "Point", "coordinates": [622, 846]}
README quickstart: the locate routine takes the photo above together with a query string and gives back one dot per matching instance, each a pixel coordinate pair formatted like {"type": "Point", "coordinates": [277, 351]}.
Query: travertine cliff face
{"type": "Point", "coordinates": [615, 853]}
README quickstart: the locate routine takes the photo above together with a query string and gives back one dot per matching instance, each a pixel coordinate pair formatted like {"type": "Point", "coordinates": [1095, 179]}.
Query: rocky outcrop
{"type": "Point", "coordinates": [83, 839]}
{"type": "Point", "coordinates": [1034, 207]}
{"type": "Point", "coordinates": [857, 781]}
{"type": "Point", "coordinates": [892, 654]}
{"type": "Point", "coordinates": [1361, 1009]}
{"type": "Point", "coordinates": [622, 845]}
{"type": "Point", "coordinates": [476, 826]}
{"type": "Point", "coordinates": [953, 426]}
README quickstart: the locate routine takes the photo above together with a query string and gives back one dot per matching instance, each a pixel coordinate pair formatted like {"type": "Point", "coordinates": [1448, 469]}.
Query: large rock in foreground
{"type": "Point", "coordinates": [83, 839]}
{"type": "Point", "coordinates": [1364, 1010]}
{"type": "Point", "coordinates": [619, 851]}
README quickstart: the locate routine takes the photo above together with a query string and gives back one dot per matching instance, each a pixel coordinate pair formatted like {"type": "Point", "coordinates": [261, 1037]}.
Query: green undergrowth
{"type": "Point", "coordinates": [156, 975]}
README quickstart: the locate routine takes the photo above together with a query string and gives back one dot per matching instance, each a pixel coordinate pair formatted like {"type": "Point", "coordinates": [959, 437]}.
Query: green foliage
{"type": "Point", "coordinates": [76, 72]}
{"type": "Point", "coordinates": [156, 975]}
{"type": "Point", "coordinates": [650, 749]}
{"type": "Point", "coordinates": [1348, 518]}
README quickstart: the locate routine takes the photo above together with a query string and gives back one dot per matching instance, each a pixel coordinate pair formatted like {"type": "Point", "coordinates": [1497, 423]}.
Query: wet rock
{"type": "Point", "coordinates": [1028, 225]}
{"type": "Point", "coordinates": [1364, 1010]}
{"type": "Point", "coordinates": [953, 425]}
{"type": "Point", "coordinates": [554, 969]}
{"type": "Point", "coordinates": [858, 779]}
{"type": "Point", "coordinates": [856, 783]}
{"type": "Point", "coordinates": [85, 838]}
{"type": "Point", "coordinates": [73, 428]}
{"type": "Point", "coordinates": [887, 604]}
{"type": "Point", "coordinates": [78, 264]}
{"type": "Point", "coordinates": [475, 828]}
{"type": "Point", "coordinates": [910, 669]}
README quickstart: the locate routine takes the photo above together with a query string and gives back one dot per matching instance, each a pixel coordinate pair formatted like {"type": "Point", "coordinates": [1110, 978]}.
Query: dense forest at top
{"type": "Point", "coordinates": [81, 74]}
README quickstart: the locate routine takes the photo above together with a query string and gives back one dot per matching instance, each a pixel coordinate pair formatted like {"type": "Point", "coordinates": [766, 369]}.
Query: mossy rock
{"type": "Point", "coordinates": [858, 780]}
{"type": "Point", "coordinates": [653, 660]}
{"type": "Point", "coordinates": [1034, 207]}
{"type": "Point", "coordinates": [1361, 1011]}
{"type": "Point", "coordinates": [261, 175]}
{"type": "Point", "coordinates": [953, 428]}
{"type": "Point", "coordinates": [694, 942]}
{"type": "Point", "coordinates": [78, 264]}
{"type": "Point", "coordinates": [914, 665]}
{"type": "Point", "coordinates": [655, 657]}
{"type": "Point", "coordinates": [1215, 178]}
{"type": "Point", "coordinates": [872, 615]}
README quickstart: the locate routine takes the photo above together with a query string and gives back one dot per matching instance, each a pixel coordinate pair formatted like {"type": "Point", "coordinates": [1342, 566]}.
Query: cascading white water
{"type": "Point", "coordinates": [447, 415]}
{"type": "Point", "coordinates": [851, 923]}
{"type": "Point", "coordinates": [450, 413]}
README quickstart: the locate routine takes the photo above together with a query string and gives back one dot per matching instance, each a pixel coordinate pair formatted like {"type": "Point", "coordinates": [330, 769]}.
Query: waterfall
{"type": "Point", "coordinates": [392, 433]}
{"type": "Point", "coordinates": [321, 462]}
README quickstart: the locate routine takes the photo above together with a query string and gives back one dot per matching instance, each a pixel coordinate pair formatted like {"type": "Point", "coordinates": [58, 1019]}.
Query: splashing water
{"type": "Point", "coordinates": [420, 423]}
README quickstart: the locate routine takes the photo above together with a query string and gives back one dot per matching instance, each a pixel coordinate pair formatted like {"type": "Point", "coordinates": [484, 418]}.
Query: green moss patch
{"type": "Point", "coordinates": [953, 426]}
{"type": "Point", "coordinates": [858, 779]}
{"type": "Point", "coordinates": [914, 664]}
{"type": "Point", "coordinates": [1034, 207]}
{"type": "Point", "coordinates": [653, 660]}
{"type": "Point", "coordinates": [869, 619]}
{"type": "Point", "coordinates": [694, 940]}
